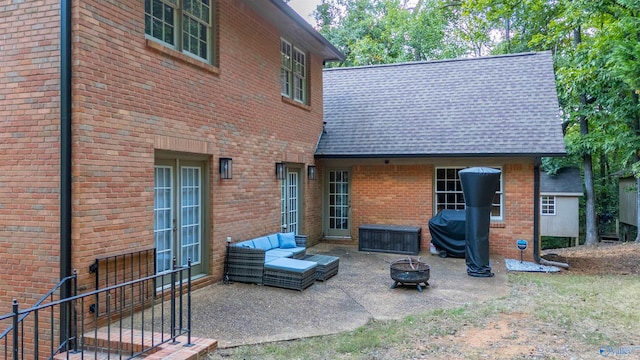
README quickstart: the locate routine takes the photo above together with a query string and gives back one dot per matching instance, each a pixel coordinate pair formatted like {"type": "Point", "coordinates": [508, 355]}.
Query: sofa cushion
{"type": "Point", "coordinates": [287, 240]}
{"type": "Point", "coordinates": [273, 239]}
{"type": "Point", "coordinates": [262, 243]}
{"type": "Point", "coordinates": [280, 253]}
{"type": "Point", "coordinates": [297, 250]}
{"type": "Point", "coordinates": [293, 265]}
{"type": "Point", "coordinates": [246, 244]}
{"type": "Point", "coordinates": [270, 258]}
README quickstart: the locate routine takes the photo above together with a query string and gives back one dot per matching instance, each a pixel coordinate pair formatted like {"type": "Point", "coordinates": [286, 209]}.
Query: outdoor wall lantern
{"type": "Point", "coordinates": [280, 170]}
{"type": "Point", "coordinates": [226, 168]}
{"type": "Point", "coordinates": [311, 172]}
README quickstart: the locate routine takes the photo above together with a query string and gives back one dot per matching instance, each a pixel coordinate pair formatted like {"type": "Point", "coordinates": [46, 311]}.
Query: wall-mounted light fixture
{"type": "Point", "coordinates": [226, 168]}
{"type": "Point", "coordinates": [280, 171]}
{"type": "Point", "coordinates": [311, 172]}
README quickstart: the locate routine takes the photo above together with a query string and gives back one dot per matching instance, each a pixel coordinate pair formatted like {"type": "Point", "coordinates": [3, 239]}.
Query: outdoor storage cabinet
{"type": "Point", "coordinates": [389, 238]}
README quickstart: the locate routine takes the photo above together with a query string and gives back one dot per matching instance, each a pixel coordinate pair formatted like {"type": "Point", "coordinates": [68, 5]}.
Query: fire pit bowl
{"type": "Point", "coordinates": [410, 271]}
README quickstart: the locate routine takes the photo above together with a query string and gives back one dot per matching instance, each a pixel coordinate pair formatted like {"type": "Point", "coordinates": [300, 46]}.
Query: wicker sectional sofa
{"type": "Point", "coordinates": [246, 260]}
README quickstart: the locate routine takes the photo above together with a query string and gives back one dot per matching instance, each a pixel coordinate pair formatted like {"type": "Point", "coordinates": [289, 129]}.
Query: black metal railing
{"type": "Point", "coordinates": [16, 321]}
{"type": "Point", "coordinates": [127, 330]}
{"type": "Point", "coordinates": [116, 269]}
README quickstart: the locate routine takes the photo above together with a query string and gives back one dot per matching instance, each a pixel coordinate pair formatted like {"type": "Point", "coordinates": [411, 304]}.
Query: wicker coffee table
{"type": "Point", "coordinates": [289, 273]}
{"type": "Point", "coordinates": [327, 265]}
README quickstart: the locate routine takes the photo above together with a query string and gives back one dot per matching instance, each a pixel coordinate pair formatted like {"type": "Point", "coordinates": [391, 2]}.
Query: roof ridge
{"type": "Point", "coordinates": [409, 63]}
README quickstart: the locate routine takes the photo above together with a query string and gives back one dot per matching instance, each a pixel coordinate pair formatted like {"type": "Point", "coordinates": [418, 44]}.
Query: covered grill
{"type": "Point", "coordinates": [447, 230]}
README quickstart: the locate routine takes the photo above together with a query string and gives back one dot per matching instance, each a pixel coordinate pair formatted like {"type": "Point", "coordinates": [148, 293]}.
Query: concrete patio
{"type": "Point", "coordinates": [241, 314]}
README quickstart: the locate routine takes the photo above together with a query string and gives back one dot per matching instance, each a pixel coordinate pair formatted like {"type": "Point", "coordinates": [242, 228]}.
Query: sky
{"type": "Point", "coordinates": [305, 8]}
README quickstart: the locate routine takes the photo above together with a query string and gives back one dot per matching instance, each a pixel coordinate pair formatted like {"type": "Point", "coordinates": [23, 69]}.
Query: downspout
{"type": "Point", "coordinates": [536, 220]}
{"type": "Point", "coordinates": [65, 158]}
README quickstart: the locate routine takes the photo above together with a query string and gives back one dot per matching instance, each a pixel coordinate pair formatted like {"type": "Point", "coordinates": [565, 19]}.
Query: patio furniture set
{"type": "Point", "coordinates": [278, 260]}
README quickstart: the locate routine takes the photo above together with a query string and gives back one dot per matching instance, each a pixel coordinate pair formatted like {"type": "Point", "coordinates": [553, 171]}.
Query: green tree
{"type": "Point", "coordinates": [596, 51]}
{"type": "Point", "coordinates": [388, 31]}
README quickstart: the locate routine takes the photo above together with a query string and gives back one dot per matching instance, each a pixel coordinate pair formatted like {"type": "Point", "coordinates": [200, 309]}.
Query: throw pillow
{"type": "Point", "coordinates": [287, 240]}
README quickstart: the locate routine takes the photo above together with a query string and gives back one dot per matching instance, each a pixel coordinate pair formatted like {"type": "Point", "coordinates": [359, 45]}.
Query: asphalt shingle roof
{"type": "Point", "coordinates": [567, 180]}
{"type": "Point", "coordinates": [490, 106]}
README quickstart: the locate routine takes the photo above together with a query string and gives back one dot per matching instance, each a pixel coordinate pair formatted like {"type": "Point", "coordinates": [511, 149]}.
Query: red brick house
{"type": "Point", "coordinates": [139, 103]}
{"type": "Point", "coordinates": [160, 123]}
{"type": "Point", "coordinates": [397, 135]}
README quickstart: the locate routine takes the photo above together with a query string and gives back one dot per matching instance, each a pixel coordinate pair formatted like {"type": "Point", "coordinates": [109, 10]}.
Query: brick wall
{"type": "Point", "coordinates": [518, 212]}
{"type": "Point", "coordinates": [147, 97]}
{"type": "Point", "coordinates": [403, 195]}
{"type": "Point", "coordinates": [134, 98]}
{"type": "Point", "coordinates": [392, 194]}
{"type": "Point", "coordinates": [29, 150]}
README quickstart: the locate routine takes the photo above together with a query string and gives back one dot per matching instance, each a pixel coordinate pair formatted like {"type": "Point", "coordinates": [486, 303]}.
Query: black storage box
{"type": "Point", "coordinates": [389, 238]}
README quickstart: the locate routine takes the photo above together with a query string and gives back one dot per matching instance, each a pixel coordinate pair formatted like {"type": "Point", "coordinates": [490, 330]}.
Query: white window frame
{"type": "Point", "coordinates": [180, 25]}
{"type": "Point", "coordinates": [293, 72]}
{"type": "Point", "coordinates": [548, 205]}
{"type": "Point", "coordinates": [299, 76]}
{"type": "Point", "coordinates": [456, 191]}
{"type": "Point", "coordinates": [286, 68]}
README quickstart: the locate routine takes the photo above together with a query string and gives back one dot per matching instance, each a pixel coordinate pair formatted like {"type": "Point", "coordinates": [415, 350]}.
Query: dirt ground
{"type": "Point", "coordinates": [605, 258]}
{"type": "Point", "coordinates": [521, 336]}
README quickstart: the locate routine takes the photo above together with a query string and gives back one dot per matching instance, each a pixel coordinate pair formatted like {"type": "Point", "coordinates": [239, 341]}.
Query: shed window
{"type": "Point", "coordinates": [548, 205]}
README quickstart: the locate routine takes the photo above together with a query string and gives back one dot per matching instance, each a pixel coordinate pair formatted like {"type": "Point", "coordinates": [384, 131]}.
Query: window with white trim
{"type": "Point", "coordinates": [285, 68]}
{"type": "Point", "coordinates": [293, 72]}
{"type": "Point", "coordinates": [185, 25]}
{"type": "Point", "coordinates": [547, 205]}
{"type": "Point", "coordinates": [449, 195]}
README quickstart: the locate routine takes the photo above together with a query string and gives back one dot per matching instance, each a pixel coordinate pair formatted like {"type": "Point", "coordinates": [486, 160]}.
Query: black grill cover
{"type": "Point", "coordinates": [479, 185]}
{"type": "Point", "coordinates": [448, 232]}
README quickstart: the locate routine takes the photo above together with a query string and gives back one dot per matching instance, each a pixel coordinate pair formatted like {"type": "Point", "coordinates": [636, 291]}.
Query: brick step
{"type": "Point", "coordinates": [108, 346]}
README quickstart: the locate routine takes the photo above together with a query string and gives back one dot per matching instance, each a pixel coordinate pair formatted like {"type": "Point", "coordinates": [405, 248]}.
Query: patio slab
{"type": "Point", "coordinates": [241, 314]}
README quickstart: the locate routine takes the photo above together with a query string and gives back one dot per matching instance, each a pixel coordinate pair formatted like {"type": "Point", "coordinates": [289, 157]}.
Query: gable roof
{"type": "Point", "coordinates": [490, 106]}
{"type": "Point", "coordinates": [295, 28]}
{"type": "Point", "coordinates": [566, 180]}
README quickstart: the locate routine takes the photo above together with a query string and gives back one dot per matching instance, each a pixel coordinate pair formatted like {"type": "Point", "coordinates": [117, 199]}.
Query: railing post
{"type": "Point", "coordinates": [181, 300]}
{"type": "Point", "coordinates": [189, 303]}
{"type": "Point", "coordinates": [15, 329]}
{"type": "Point", "coordinates": [75, 311]}
{"type": "Point", "coordinates": [173, 299]}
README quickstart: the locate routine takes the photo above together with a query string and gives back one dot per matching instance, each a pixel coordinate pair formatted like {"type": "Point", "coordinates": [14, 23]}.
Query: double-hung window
{"type": "Point", "coordinates": [293, 72]}
{"type": "Point", "coordinates": [185, 25]}
{"type": "Point", "coordinates": [449, 193]}
{"type": "Point", "coordinates": [548, 205]}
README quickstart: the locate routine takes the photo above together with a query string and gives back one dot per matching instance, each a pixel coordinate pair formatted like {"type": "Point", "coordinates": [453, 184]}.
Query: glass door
{"type": "Point", "coordinates": [290, 202]}
{"type": "Point", "coordinates": [338, 202]}
{"type": "Point", "coordinates": [178, 209]}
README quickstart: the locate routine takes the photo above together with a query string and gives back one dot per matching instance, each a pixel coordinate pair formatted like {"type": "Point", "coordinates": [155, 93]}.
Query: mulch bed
{"type": "Point", "coordinates": [601, 259]}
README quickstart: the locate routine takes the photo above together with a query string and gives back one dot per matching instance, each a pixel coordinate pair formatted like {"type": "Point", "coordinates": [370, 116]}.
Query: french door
{"type": "Point", "coordinates": [178, 215]}
{"type": "Point", "coordinates": [290, 202]}
{"type": "Point", "coordinates": [338, 204]}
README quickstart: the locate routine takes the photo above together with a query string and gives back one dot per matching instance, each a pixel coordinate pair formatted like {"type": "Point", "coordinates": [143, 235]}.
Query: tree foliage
{"type": "Point", "coordinates": [388, 31]}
